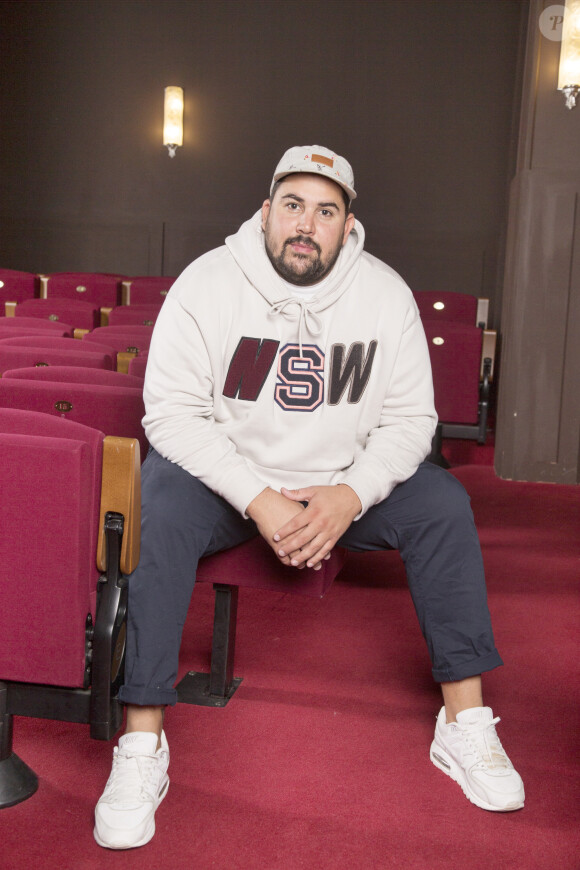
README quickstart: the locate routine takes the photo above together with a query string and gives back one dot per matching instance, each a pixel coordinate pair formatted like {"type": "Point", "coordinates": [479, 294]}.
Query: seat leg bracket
{"type": "Point", "coordinates": [216, 688]}
{"type": "Point", "coordinates": [17, 781]}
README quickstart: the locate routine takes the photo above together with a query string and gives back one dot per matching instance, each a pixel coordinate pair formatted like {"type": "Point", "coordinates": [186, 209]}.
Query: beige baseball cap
{"type": "Point", "coordinates": [318, 160]}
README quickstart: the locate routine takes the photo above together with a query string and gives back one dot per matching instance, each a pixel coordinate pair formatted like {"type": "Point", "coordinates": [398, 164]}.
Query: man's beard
{"type": "Point", "coordinates": [315, 269]}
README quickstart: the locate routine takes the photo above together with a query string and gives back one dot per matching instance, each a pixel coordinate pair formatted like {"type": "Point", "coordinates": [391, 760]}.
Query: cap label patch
{"type": "Point", "coordinates": [320, 158]}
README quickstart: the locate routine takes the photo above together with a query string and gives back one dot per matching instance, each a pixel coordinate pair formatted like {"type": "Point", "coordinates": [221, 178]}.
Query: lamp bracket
{"type": "Point", "coordinates": [571, 92]}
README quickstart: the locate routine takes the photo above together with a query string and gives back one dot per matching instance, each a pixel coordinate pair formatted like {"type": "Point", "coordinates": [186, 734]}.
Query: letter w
{"type": "Point", "coordinates": [354, 372]}
{"type": "Point", "coordinates": [249, 367]}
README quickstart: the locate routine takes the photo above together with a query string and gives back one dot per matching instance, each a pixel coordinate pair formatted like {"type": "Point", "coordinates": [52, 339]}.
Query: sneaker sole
{"type": "Point", "coordinates": [446, 764]}
{"type": "Point", "coordinates": [147, 836]}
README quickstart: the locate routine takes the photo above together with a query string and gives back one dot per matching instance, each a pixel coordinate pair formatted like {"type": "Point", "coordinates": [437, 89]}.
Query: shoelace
{"type": "Point", "coordinates": [486, 745]}
{"type": "Point", "coordinates": [133, 774]}
{"type": "Point", "coordinates": [306, 318]}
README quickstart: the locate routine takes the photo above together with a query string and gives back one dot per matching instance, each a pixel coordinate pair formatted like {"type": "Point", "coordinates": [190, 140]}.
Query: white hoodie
{"type": "Point", "coordinates": [247, 387]}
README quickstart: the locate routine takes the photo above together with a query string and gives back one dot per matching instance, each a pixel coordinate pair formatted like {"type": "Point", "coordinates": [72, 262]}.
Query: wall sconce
{"type": "Point", "coordinates": [173, 119]}
{"type": "Point", "coordinates": [569, 72]}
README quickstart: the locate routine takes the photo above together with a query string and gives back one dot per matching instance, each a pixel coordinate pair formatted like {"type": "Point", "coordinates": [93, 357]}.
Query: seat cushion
{"type": "Point", "coordinates": [254, 564]}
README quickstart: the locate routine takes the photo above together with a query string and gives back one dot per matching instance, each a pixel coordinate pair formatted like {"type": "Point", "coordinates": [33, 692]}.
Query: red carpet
{"type": "Point", "coordinates": [321, 758]}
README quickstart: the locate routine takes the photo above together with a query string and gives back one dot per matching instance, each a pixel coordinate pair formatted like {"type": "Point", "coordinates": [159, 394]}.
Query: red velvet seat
{"type": "Point", "coordinates": [456, 307]}
{"type": "Point", "coordinates": [43, 346]}
{"type": "Point", "coordinates": [128, 342]}
{"type": "Point", "coordinates": [77, 375]}
{"type": "Point", "coordinates": [17, 357]}
{"type": "Point", "coordinates": [36, 324]}
{"type": "Point", "coordinates": [139, 314]}
{"type": "Point", "coordinates": [70, 517]}
{"type": "Point", "coordinates": [13, 332]}
{"type": "Point", "coordinates": [462, 363]}
{"type": "Point", "coordinates": [102, 290]}
{"type": "Point", "coordinates": [113, 409]}
{"type": "Point", "coordinates": [37, 511]}
{"type": "Point", "coordinates": [140, 329]}
{"type": "Point", "coordinates": [145, 290]}
{"type": "Point", "coordinates": [129, 338]}
{"type": "Point", "coordinates": [138, 365]}
{"type": "Point", "coordinates": [16, 286]}
{"type": "Point", "coordinates": [80, 314]}
{"type": "Point", "coordinates": [455, 352]}
{"type": "Point", "coordinates": [251, 564]}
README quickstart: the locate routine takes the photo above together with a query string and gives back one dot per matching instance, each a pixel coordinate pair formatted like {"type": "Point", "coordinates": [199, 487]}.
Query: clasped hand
{"type": "Point", "coordinates": [303, 525]}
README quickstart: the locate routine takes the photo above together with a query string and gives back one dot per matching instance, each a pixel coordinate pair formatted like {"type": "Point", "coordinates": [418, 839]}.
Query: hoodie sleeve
{"type": "Point", "coordinates": [396, 447]}
{"type": "Point", "coordinates": [179, 421]}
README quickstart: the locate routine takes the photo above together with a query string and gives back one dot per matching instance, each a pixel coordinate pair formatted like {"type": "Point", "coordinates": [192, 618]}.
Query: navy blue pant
{"type": "Point", "coordinates": [428, 519]}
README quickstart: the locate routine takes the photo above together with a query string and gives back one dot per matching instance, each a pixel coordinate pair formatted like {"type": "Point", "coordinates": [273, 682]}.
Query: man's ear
{"type": "Point", "coordinates": [348, 227]}
{"type": "Point", "coordinates": [265, 212]}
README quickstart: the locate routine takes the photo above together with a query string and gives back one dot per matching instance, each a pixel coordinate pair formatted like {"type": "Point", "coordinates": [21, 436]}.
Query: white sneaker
{"type": "Point", "coordinates": [470, 752]}
{"type": "Point", "coordinates": [125, 813]}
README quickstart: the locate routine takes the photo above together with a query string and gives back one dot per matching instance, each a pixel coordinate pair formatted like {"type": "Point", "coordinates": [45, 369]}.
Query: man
{"type": "Point", "coordinates": [289, 393]}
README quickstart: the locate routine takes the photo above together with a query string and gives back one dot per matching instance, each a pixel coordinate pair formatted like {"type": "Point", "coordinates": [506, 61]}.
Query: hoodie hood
{"type": "Point", "coordinates": [247, 247]}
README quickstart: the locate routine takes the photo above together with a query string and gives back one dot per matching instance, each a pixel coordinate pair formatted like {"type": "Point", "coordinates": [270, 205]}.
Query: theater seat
{"type": "Point", "coordinates": [101, 289]}
{"type": "Point", "coordinates": [128, 341]}
{"type": "Point", "coordinates": [115, 409]}
{"type": "Point", "coordinates": [36, 324]}
{"type": "Point", "coordinates": [20, 356]}
{"type": "Point", "coordinates": [47, 350]}
{"type": "Point", "coordinates": [145, 315]}
{"type": "Point", "coordinates": [96, 287]}
{"type": "Point", "coordinates": [15, 287]}
{"type": "Point", "coordinates": [462, 360]}
{"type": "Point", "coordinates": [80, 314]}
{"type": "Point", "coordinates": [145, 290]}
{"type": "Point", "coordinates": [76, 375]}
{"type": "Point", "coordinates": [143, 330]}
{"type": "Point", "coordinates": [9, 332]}
{"type": "Point", "coordinates": [251, 564]}
{"type": "Point", "coordinates": [70, 517]}
{"type": "Point", "coordinates": [456, 307]}
{"type": "Point", "coordinates": [138, 365]}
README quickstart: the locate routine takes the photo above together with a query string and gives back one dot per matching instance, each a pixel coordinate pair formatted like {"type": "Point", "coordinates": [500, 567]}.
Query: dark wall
{"type": "Point", "coordinates": [417, 94]}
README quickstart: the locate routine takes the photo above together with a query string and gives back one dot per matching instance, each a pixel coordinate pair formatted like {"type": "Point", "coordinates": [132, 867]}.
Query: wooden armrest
{"type": "Point", "coordinates": [488, 351]}
{"type": "Point", "coordinates": [126, 292]}
{"type": "Point", "coordinates": [124, 357]}
{"type": "Point", "coordinates": [10, 309]}
{"type": "Point", "coordinates": [105, 315]}
{"type": "Point", "coordinates": [79, 333]}
{"type": "Point", "coordinates": [121, 492]}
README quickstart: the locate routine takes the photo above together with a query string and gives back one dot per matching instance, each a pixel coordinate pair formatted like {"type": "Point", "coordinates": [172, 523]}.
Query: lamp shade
{"type": "Point", "coordinates": [569, 70]}
{"type": "Point", "coordinates": [173, 116]}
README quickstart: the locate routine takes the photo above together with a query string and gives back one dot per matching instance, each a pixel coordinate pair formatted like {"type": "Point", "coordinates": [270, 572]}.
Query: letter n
{"type": "Point", "coordinates": [249, 367]}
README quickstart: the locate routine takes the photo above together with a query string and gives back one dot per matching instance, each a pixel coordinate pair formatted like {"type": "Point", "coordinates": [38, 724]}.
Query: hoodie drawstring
{"type": "Point", "coordinates": [306, 318]}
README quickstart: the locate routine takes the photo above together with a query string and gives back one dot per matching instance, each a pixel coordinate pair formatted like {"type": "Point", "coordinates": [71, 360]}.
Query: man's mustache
{"type": "Point", "coordinates": [303, 240]}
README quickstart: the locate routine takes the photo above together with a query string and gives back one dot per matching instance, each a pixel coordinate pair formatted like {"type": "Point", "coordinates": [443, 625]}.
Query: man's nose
{"type": "Point", "coordinates": [306, 223]}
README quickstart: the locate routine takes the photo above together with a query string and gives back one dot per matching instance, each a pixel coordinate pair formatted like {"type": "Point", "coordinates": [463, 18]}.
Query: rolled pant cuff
{"type": "Point", "coordinates": [148, 697]}
{"type": "Point", "coordinates": [472, 668]}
